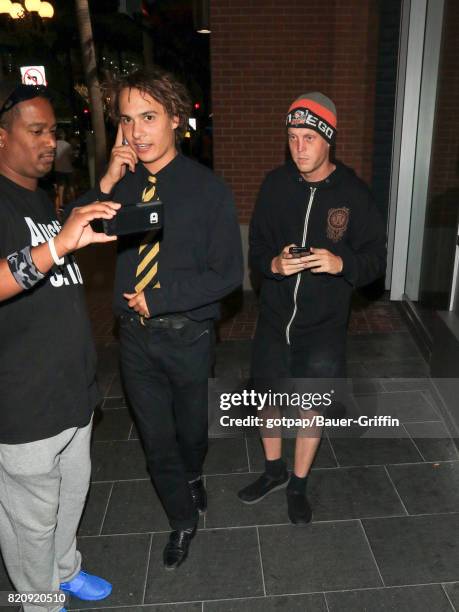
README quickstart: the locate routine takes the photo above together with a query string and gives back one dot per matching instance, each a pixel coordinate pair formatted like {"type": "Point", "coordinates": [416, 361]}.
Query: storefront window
{"type": "Point", "coordinates": [434, 269]}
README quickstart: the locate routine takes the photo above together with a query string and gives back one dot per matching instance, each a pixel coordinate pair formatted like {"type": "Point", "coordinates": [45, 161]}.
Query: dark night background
{"type": "Point", "coordinates": [118, 39]}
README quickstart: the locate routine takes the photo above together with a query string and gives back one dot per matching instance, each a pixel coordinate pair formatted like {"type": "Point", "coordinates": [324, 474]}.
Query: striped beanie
{"type": "Point", "coordinates": [316, 112]}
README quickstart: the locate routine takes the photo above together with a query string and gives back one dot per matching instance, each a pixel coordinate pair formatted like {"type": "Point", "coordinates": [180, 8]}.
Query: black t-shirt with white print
{"type": "Point", "coordinates": [47, 356]}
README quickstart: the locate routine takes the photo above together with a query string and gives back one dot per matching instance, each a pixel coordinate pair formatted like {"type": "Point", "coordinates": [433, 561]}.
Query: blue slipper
{"type": "Point", "coordinates": [87, 587]}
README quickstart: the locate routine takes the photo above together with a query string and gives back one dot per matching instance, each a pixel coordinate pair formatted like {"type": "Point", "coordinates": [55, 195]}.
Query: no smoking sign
{"type": "Point", "coordinates": [33, 75]}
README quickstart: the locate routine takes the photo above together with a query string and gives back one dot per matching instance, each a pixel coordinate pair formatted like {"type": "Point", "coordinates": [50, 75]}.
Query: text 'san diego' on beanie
{"type": "Point", "coordinates": [316, 112]}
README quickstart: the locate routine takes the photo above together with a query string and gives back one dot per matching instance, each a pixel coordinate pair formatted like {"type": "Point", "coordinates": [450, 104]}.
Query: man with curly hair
{"type": "Point", "coordinates": [167, 289]}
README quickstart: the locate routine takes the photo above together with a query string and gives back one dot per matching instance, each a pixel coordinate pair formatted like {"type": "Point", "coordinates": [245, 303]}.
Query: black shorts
{"type": "Point", "coordinates": [319, 355]}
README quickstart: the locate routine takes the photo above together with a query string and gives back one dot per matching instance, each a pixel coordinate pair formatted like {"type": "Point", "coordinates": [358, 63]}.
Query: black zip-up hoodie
{"type": "Point", "coordinates": [337, 214]}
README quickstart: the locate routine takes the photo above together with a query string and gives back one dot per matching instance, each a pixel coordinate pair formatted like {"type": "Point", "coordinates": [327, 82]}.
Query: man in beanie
{"type": "Point", "coordinates": [47, 362]}
{"type": "Point", "coordinates": [322, 206]}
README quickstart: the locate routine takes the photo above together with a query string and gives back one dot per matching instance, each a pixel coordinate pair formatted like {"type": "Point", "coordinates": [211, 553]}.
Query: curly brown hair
{"type": "Point", "coordinates": [162, 86]}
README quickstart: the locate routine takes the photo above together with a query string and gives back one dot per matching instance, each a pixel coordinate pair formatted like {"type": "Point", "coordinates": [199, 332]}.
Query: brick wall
{"type": "Point", "coordinates": [264, 53]}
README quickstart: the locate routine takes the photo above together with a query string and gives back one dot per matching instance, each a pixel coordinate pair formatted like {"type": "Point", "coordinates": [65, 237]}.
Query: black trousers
{"type": "Point", "coordinates": [165, 373]}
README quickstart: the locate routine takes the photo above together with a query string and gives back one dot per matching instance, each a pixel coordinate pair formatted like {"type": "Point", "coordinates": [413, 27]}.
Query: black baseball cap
{"type": "Point", "coordinates": [12, 93]}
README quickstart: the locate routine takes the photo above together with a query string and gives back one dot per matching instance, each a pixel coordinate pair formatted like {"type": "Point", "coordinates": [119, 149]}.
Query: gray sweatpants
{"type": "Point", "coordinates": [43, 488]}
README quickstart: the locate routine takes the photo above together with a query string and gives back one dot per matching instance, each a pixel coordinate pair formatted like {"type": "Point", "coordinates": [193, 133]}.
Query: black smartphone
{"type": "Point", "coordinates": [132, 219]}
{"type": "Point", "coordinates": [299, 251]}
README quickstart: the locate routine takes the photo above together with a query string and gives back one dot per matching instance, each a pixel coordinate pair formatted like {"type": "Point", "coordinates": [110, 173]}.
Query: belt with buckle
{"type": "Point", "coordinates": [173, 321]}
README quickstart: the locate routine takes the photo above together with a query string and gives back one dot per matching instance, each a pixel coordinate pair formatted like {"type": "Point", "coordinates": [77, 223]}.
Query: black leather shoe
{"type": "Point", "coordinates": [299, 510]}
{"type": "Point", "coordinates": [176, 550]}
{"type": "Point", "coordinates": [199, 495]}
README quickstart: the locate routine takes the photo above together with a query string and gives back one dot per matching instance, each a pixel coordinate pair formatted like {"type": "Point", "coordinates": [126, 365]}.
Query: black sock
{"type": "Point", "coordinates": [275, 468]}
{"type": "Point", "coordinates": [297, 484]}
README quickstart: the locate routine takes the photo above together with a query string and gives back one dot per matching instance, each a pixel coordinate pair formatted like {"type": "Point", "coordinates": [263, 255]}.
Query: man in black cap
{"type": "Point", "coordinates": [47, 361]}
{"type": "Point", "coordinates": [325, 212]}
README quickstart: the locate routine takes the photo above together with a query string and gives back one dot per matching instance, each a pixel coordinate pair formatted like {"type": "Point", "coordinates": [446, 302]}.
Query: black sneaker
{"type": "Point", "coordinates": [199, 495]}
{"type": "Point", "coordinates": [262, 487]}
{"type": "Point", "coordinates": [299, 510]}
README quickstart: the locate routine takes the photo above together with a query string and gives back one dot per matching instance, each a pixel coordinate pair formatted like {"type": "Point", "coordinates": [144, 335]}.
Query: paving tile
{"type": "Point", "coordinates": [228, 365]}
{"type": "Point", "coordinates": [415, 549]}
{"type": "Point", "coordinates": [362, 382]}
{"type": "Point", "coordinates": [374, 451]}
{"type": "Point", "coordinates": [116, 388]}
{"type": "Point", "coordinates": [185, 607]}
{"type": "Point", "coordinates": [452, 590]}
{"type": "Point", "coordinates": [323, 459]}
{"type": "Point", "coordinates": [112, 424]}
{"type": "Point", "coordinates": [107, 365]}
{"type": "Point", "coordinates": [367, 430]}
{"type": "Point", "coordinates": [218, 387]}
{"type": "Point", "coordinates": [395, 346]}
{"type": "Point", "coordinates": [108, 353]}
{"type": "Point", "coordinates": [104, 375]}
{"type": "Point", "coordinates": [5, 583]}
{"type": "Point", "coordinates": [407, 384]}
{"type": "Point", "coordinates": [348, 493]}
{"type": "Point", "coordinates": [134, 434]}
{"type": "Point", "coordinates": [231, 358]}
{"type": "Point", "coordinates": [425, 598]}
{"type": "Point", "coordinates": [122, 560]}
{"type": "Point", "coordinates": [226, 455]}
{"type": "Point", "coordinates": [240, 348]}
{"type": "Point", "coordinates": [433, 441]}
{"type": "Point", "coordinates": [408, 368]}
{"type": "Point", "coordinates": [134, 508]}
{"type": "Point", "coordinates": [366, 385]}
{"type": "Point", "coordinates": [356, 369]}
{"type": "Point", "coordinates": [404, 405]}
{"type": "Point", "coordinates": [222, 563]}
{"type": "Point", "coordinates": [286, 603]}
{"type": "Point", "coordinates": [94, 511]}
{"type": "Point", "coordinates": [118, 461]}
{"type": "Point", "coordinates": [427, 487]}
{"type": "Point", "coordinates": [321, 556]}
{"type": "Point", "coordinates": [226, 510]}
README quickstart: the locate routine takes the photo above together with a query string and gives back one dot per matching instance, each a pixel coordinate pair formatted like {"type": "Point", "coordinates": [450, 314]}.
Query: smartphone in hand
{"type": "Point", "coordinates": [299, 251]}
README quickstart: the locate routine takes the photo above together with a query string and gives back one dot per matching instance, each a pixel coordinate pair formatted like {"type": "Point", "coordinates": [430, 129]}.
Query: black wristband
{"type": "Point", "coordinates": [23, 269]}
{"type": "Point", "coordinates": [100, 195]}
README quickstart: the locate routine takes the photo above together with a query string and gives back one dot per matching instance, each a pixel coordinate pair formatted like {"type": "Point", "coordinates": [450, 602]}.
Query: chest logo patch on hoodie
{"type": "Point", "coordinates": [337, 222]}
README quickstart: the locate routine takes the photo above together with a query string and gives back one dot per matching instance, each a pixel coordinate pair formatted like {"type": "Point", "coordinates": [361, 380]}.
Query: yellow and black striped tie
{"type": "Point", "coordinates": [147, 269]}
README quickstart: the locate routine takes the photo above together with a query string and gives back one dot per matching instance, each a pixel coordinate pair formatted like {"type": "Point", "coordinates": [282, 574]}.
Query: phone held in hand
{"type": "Point", "coordinates": [132, 219]}
{"type": "Point", "coordinates": [299, 251]}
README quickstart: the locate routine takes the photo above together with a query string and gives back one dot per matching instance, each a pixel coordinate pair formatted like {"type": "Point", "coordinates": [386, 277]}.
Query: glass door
{"type": "Point", "coordinates": [434, 217]}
